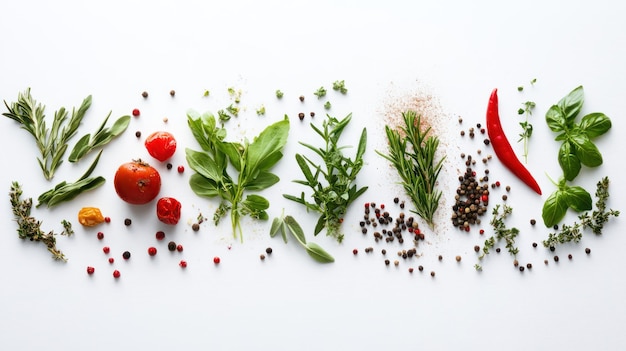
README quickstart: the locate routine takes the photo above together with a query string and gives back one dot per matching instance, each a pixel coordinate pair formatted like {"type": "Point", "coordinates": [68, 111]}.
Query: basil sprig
{"type": "Point", "coordinates": [577, 147]}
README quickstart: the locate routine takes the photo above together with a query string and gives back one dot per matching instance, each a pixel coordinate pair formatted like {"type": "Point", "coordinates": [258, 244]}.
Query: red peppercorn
{"type": "Point", "coordinates": [107, 219]}
{"type": "Point", "coordinates": [355, 251]}
{"type": "Point", "coordinates": [152, 251]}
{"type": "Point", "coordinates": [216, 260]}
{"type": "Point", "coordinates": [484, 198]}
{"type": "Point", "coordinates": [136, 112]}
{"type": "Point", "coordinates": [111, 260]}
{"type": "Point", "coordinates": [382, 206]}
{"type": "Point", "coordinates": [367, 205]}
{"type": "Point", "coordinates": [90, 270]}
{"type": "Point", "coordinates": [160, 235]}
{"type": "Point", "coordinates": [467, 229]}
{"type": "Point", "coordinates": [498, 183]}
{"type": "Point", "coordinates": [116, 274]}
{"type": "Point", "coordinates": [482, 231]}
{"type": "Point", "coordinates": [100, 235]}
{"type": "Point", "coordinates": [183, 264]}
{"type": "Point", "coordinates": [179, 248]}
{"type": "Point", "coordinates": [106, 249]}
{"type": "Point", "coordinates": [181, 169]}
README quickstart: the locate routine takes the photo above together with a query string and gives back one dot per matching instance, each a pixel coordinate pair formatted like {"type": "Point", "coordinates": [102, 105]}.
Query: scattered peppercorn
{"type": "Point", "coordinates": [355, 251]}
{"type": "Point", "coordinates": [181, 169]}
{"type": "Point", "coordinates": [136, 112]}
{"type": "Point", "coordinates": [529, 265]}
{"type": "Point", "coordinates": [587, 251]}
{"type": "Point", "coordinates": [515, 263]}
{"type": "Point", "coordinates": [521, 268]}
{"type": "Point", "coordinates": [144, 94]}
{"type": "Point", "coordinates": [106, 249]}
{"type": "Point", "coordinates": [533, 222]}
{"type": "Point", "coordinates": [152, 251]}
{"type": "Point", "coordinates": [160, 235]}
{"type": "Point", "coordinates": [216, 260]}
{"type": "Point", "coordinates": [383, 251]}
{"type": "Point", "coordinates": [440, 257]}
{"type": "Point", "coordinates": [116, 274]}
{"type": "Point", "coordinates": [268, 251]}
{"type": "Point", "coordinates": [545, 262]}
{"type": "Point", "coordinates": [111, 260]}
{"type": "Point", "coordinates": [498, 250]}
{"type": "Point", "coordinates": [556, 258]}
{"type": "Point", "coordinates": [410, 269]}
{"type": "Point", "coordinates": [171, 246]}
{"type": "Point", "coordinates": [420, 268]}
{"type": "Point", "coordinates": [534, 244]}
{"type": "Point", "coordinates": [387, 262]}
{"type": "Point", "coordinates": [107, 219]}
{"type": "Point", "coordinates": [100, 235]}
{"type": "Point", "coordinates": [476, 248]}
{"type": "Point", "coordinates": [90, 270]}
{"type": "Point", "coordinates": [169, 166]}
{"type": "Point", "coordinates": [127, 222]}
{"type": "Point", "coordinates": [312, 114]}
{"type": "Point", "coordinates": [396, 263]}
{"type": "Point", "coordinates": [126, 255]}
{"type": "Point", "coordinates": [195, 227]}
{"type": "Point", "coordinates": [138, 134]}
{"type": "Point", "coordinates": [262, 257]}
{"type": "Point", "coordinates": [179, 248]}
{"type": "Point", "coordinates": [183, 264]}
{"type": "Point", "coordinates": [432, 273]}
{"type": "Point", "coordinates": [301, 115]}
{"type": "Point", "coordinates": [172, 92]}
{"type": "Point", "coordinates": [301, 98]}
{"type": "Point", "coordinates": [570, 256]}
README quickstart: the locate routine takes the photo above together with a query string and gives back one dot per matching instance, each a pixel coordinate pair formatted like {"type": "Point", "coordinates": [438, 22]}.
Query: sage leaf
{"type": "Point", "coordinates": [318, 253]}
{"type": "Point", "coordinates": [295, 229]}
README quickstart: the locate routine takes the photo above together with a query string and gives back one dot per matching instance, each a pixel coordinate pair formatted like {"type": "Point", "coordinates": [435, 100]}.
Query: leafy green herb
{"type": "Point", "coordinates": [235, 94]}
{"type": "Point", "coordinates": [233, 110]}
{"type": "Point", "coordinates": [321, 92]}
{"type": "Point", "coordinates": [577, 147]}
{"type": "Point", "coordinates": [52, 142]}
{"type": "Point", "coordinates": [223, 116]}
{"type": "Point", "coordinates": [30, 228]}
{"type": "Point", "coordinates": [206, 93]}
{"type": "Point", "coordinates": [527, 128]}
{"type": "Point", "coordinates": [287, 224]}
{"type": "Point", "coordinates": [64, 192]}
{"type": "Point", "coordinates": [501, 232]}
{"type": "Point", "coordinates": [595, 221]}
{"type": "Point", "coordinates": [556, 205]}
{"type": "Point", "coordinates": [332, 181]}
{"type": "Point", "coordinates": [340, 85]}
{"type": "Point", "coordinates": [251, 160]}
{"type": "Point", "coordinates": [261, 110]}
{"type": "Point", "coordinates": [101, 137]}
{"type": "Point", "coordinates": [279, 94]}
{"type": "Point", "coordinates": [412, 152]}
{"type": "Point", "coordinates": [327, 105]}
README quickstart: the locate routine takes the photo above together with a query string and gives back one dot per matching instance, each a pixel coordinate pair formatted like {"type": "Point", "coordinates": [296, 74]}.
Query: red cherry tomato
{"type": "Point", "coordinates": [168, 210]}
{"type": "Point", "coordinates": [161, 145]}
{"type": "Point", "coordinates": [137, 182]}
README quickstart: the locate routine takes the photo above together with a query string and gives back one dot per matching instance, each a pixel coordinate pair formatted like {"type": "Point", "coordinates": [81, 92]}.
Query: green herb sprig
{"type": "Point", "coordinates": [101, 137]}
{"type": "Point", "coordinates": [412, 151]}
{"type": "Point", "coordinates": [30, 228]}
{"type": "Point", "coordinates": [252, 162]}
{"type": "Point", "coordinates": [287, 224]}
{"type": "Point", "coordinates": [566, 196]}
{"type": "Point", "coordinates": [501, 232]}
{"type": "Point", "coordinates": [577, 147]}
{"type": "Point", "coordinates": [527, 127]}
{"type": "Point", "coordinates": [332, 181]}
{"type": "Point", "coordinates": [595, 221]}
{"type": "Point", "coordinates": [320, 93]}
{"type": "Point", "coordinates": [52, 142]}
{"type": "Point", "coordinates": [340, 86]}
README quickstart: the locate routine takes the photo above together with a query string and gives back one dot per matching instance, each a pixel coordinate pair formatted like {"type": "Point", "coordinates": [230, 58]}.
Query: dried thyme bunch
{"type": "Point", "coordinates": [30, 228]}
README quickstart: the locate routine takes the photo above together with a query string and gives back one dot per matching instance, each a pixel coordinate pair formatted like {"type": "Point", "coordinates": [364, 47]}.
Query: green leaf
{"type": "Point", "coordinates": [256, 202]}
{"type": "Point", "coordinates": [263, 180]}
{"type": "Point", "coordinates": [295, 229]}
{"type": "Point", "coordinates": [555, 117]}
{"type": "Point", "coordinates": [269, 141]}
{"type": "Point", "coordinates": [586, 151]}
{"type": "Point", "coordinates": [321, 222]}
{"type": "Point", "coordinates": [306, 170]}
{"type": "Point", "coordinates": [80, 149]}
{"type": "Point", "coordinates": [595, 124]}
{"type": "Point", "coordinates": [277, 225]}
{"type": "Point", "coordinates": [571, 105]}
{"type": "Point", "coordinates": [554, 208]}
{"type": "Point", "coordinates": [120, 126]}
{"type": "Point", "coordinates": [578, 198]}
{"type": "Point", "coordinates": [203, 164]}
{"type": "Point", "coordinates": [362, 144]}
{"type": "Point", "coordinates": [318, 253]}
{"type": "Point", "coordinates": [203, 186]}
{"type": "Point", "coordinates": [570, 164]}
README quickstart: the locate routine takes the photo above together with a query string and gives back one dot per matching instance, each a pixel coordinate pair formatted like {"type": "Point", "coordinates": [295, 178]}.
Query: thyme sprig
{"type": "Point", "coordinates": [30, 228]}
{"type": "Point", "coordinates": [333, 181]}
{"type": "Point", "coordinates": [52, 142]}
{"type": "Point", "coordinates": [594, 221]}
{"type": "Point", "coordinates": [501, 232]}
{"type": "Point", "coordinates": [412, 151]}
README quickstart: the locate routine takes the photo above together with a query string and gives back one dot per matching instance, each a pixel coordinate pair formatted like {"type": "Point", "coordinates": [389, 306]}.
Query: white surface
{"type": "Point", "coordinates": [456, 50]}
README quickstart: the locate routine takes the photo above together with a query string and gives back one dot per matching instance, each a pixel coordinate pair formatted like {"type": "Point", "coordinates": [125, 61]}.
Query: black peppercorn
{"type": "Point", "coordinates": [556, 258]}
{"type": "Point", "coordinates": [533, 222]}
{"type": "Point", "coordinates": [171, 246]}
{"type": "Point", "coordinates": [301, 97]}
{"type": "Point", "coordinates": [587, 251]}
{"type": "Point", "coordinates": [169, 166]}
{"type": "Point", "coordinates": [529, 265]}
{"type": "Point", "coordinates": [534, 244]}
{"type": "Point", "coordinates": [569, 256]}
{"type": "Point", "coordinates": [268, 251]}
{"type": "Point", "coordinates": [144, 94]}
{"type": "Point", "coordinates": [521, 268]}
{"type": "Point", "coordinates": [138, 134]}
{"type": "Point", "coordinates": [172, 92]}
{"type": "Point", "coordinates": [126, 255]}
{"type": "Point", "coordinates": [420, 268]}
{"type": "Point", "coordinates": [127, 222]}
{"type": "Point", "coordinates": [386, 262]}
{"type": "Point", "coordinates": [301, 115]}
{"type": "Point", "coordinates": [195, 227]}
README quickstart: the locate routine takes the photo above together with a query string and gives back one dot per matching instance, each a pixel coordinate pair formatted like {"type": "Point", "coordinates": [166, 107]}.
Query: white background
{"type": "Point", "coordinates": [456, 51]}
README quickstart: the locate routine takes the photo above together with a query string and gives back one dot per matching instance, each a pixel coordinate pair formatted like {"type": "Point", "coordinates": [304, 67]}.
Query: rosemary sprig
{"type": "Point", "coordinates": [333, 182]}
{"type": "Point", "coordinates": [412, 152]}
{"type": "Point", "coordinates": [594, 221]}
{"type": "Point", "coordinates": [30, 228]}
{"type": "Point", "coordinates": [52, 142]}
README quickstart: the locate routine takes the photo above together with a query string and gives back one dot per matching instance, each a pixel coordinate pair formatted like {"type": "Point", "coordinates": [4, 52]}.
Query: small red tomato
{"type": "Point", "coordinates": [116, 274]}
{"type": "Point", "coordinates": [161, 145]}
{"type": "Point", "coordinates": [90, 270]}
{"type": "Point", "coordinates": [137, 182]}
{"type": "Point", "coordinates": [216, 260]}
{"type": "Point", "coordinates": [168, 210]}
{"type": "Point", "coordinates": [152, 251]}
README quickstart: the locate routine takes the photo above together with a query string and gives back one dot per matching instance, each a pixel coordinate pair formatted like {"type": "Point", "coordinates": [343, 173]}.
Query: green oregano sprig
{"type": "Point", "coordinates": [333, 180]}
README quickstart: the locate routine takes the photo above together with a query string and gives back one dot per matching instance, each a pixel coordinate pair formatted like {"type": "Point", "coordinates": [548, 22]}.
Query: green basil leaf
{"type": "Point", "coordinates": [571, 105]}
{"type": "Point", "coordinates": [199, 129]}
{"type": "Point", "coordinates": [269, 161]}
{"type": "Point", "coordinates": [295, 229]}
{"type": "Point", "coordinates": [570, 164]}
{"type": "Point", "coordinates": [595, 124]}
{"type": "Point", "coordinates": [578, 198]}
{"type": "Point", "coordinates": [318, 253]}
{"type": "Point", "coordinates": [203, 164]}
{"type": "Point", "coordinates": [233, 151]}
{"type": "Point", "coordinates": [202, 186]}
{"type": "Point", "coordinates": [586, 151]}
{"type": "Point", "coordinates": [269, 141]}
{"type": "Point", "coordinates": [262, 181]}
{"type": "Point", "coordinates": [554, 208]}
{"type": "Point", "coordinates": [555, 119]}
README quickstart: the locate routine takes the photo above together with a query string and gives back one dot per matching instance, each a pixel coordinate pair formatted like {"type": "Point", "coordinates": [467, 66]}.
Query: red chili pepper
{"type": "Point", "coordinates": [503, 148]}
{"type": "Point", "coordinates": [168, 210]}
